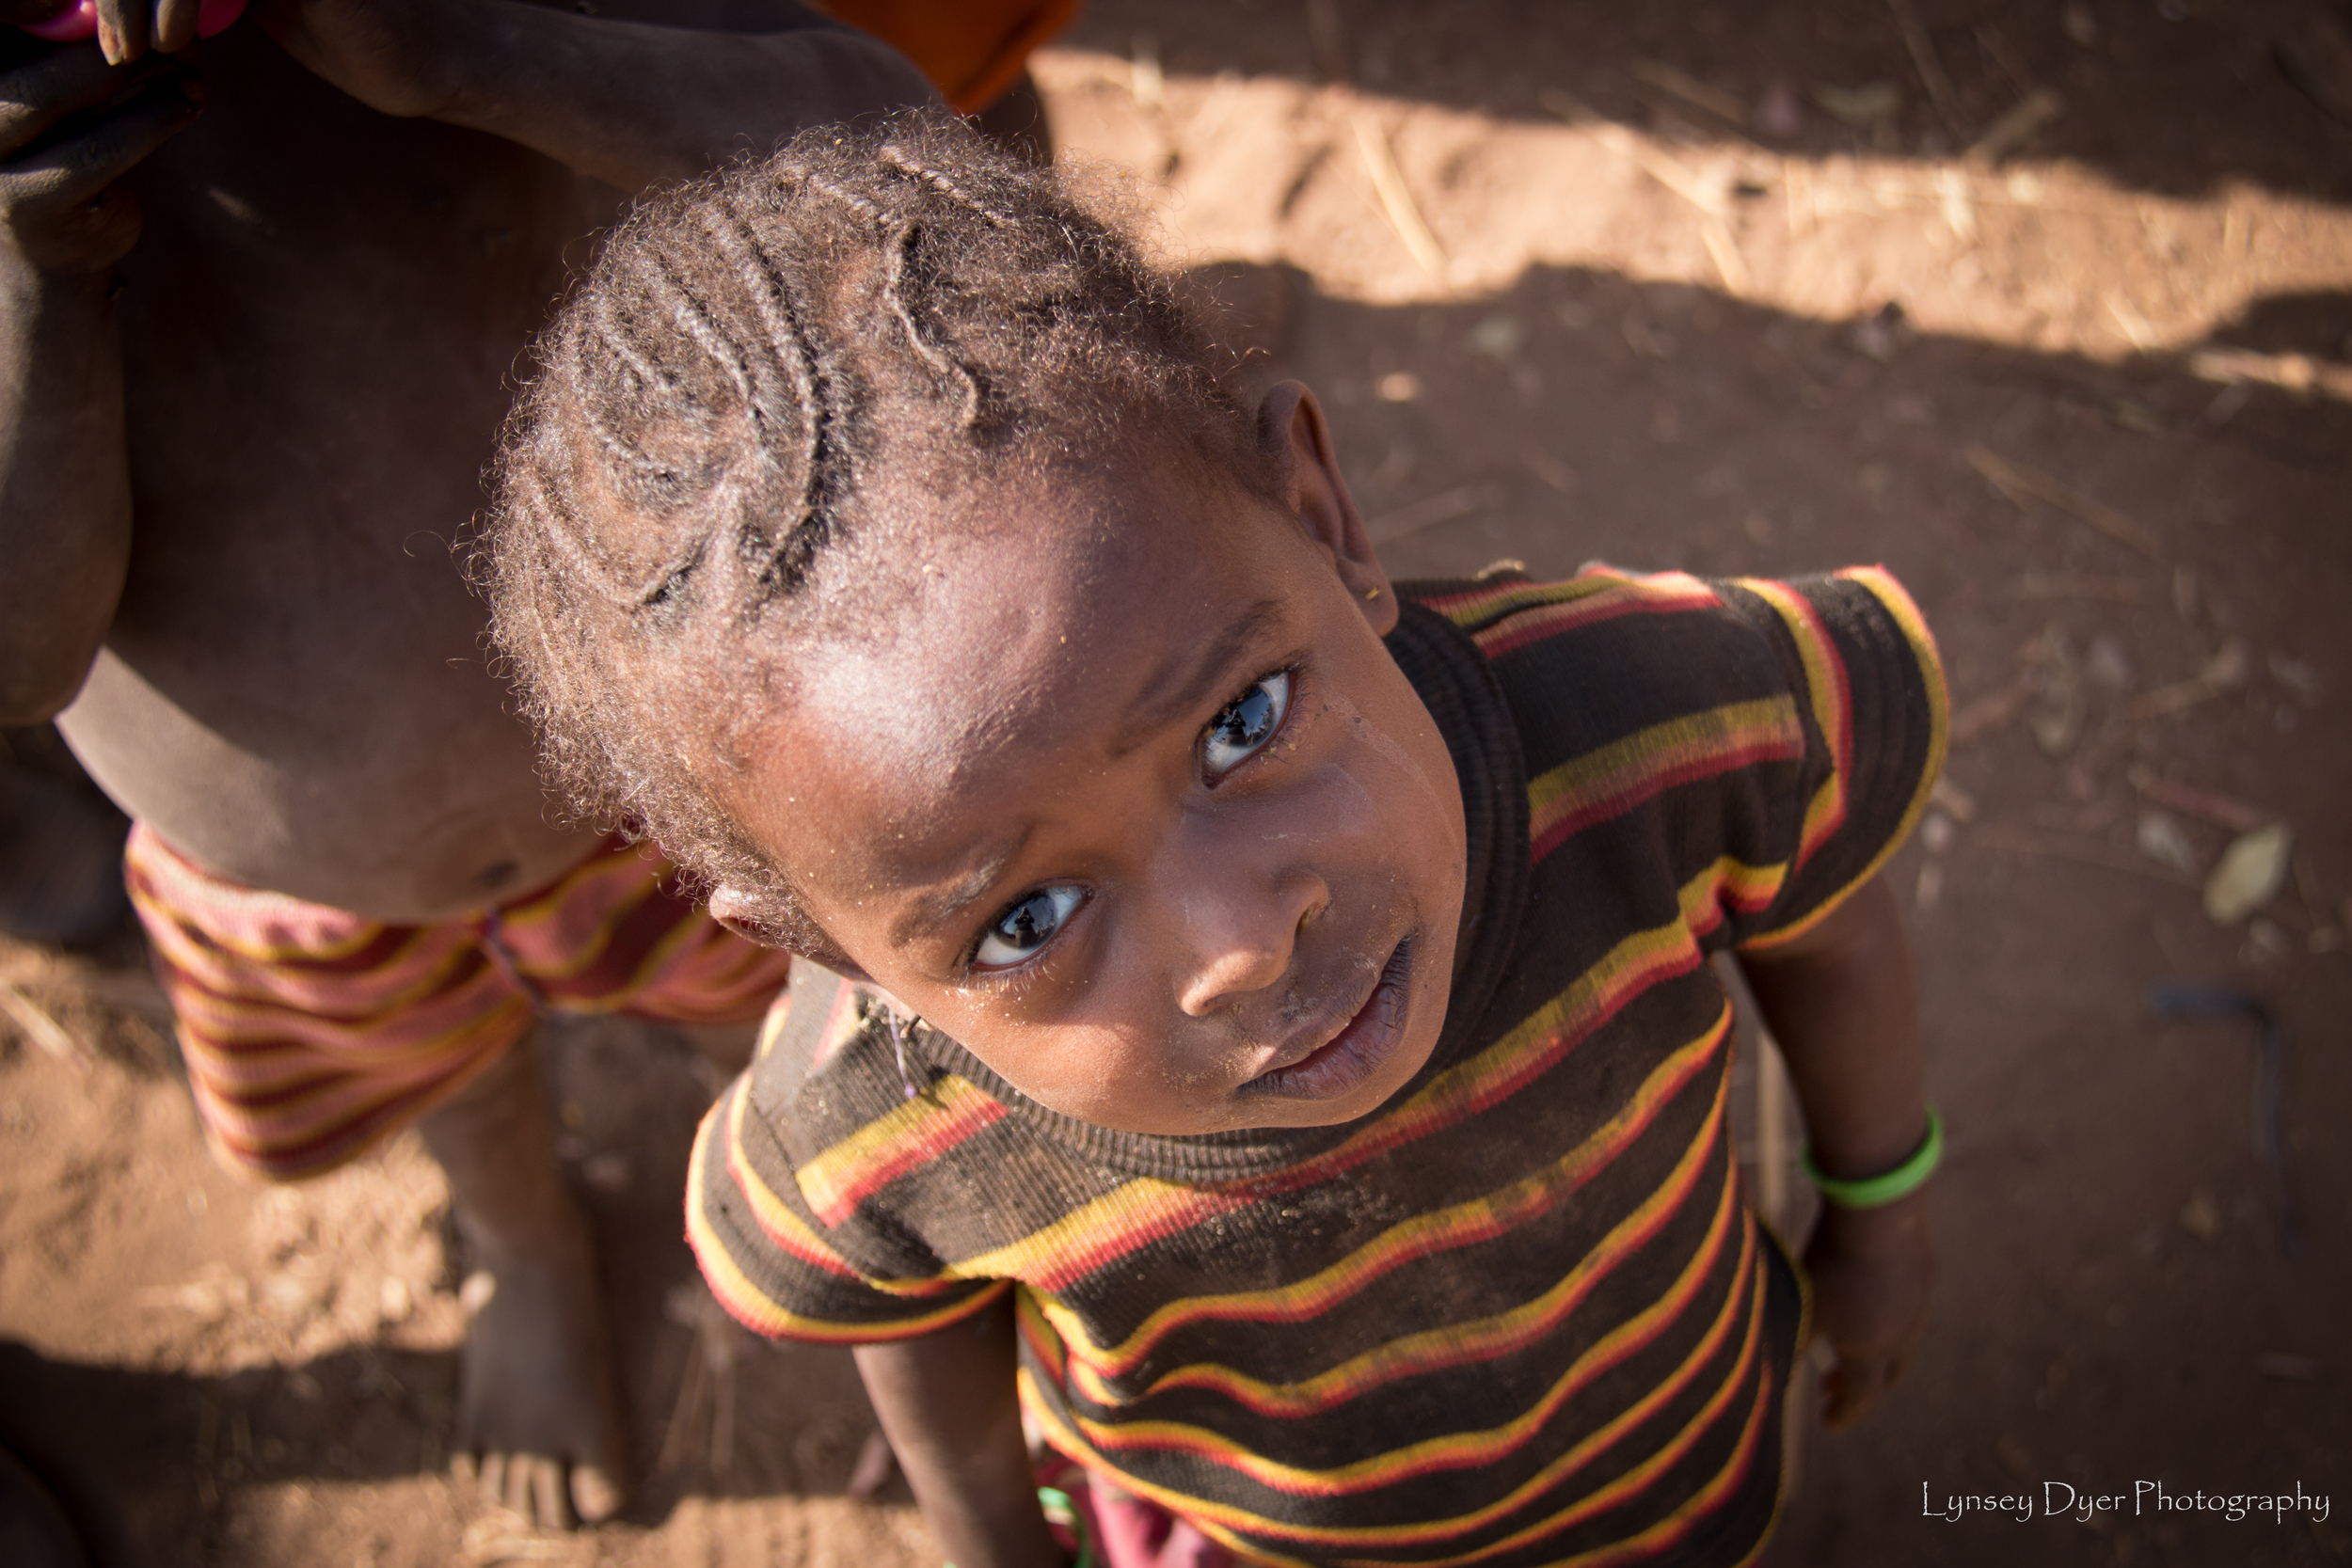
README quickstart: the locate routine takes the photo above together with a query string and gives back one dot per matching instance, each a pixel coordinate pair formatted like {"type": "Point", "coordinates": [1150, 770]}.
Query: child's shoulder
{"type": "Point", "coordinates": [1791, 728]}
{"type": "Point", "coordinates": [1611, 637]}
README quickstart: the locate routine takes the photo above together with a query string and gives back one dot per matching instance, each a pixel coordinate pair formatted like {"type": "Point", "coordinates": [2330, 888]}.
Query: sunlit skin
{"type": "Point", "coordinates": [249, 376]}
{"type": "Point", "coordinates": [1217, 883]}
{"type": "Point", "coordinates": [1139, 809]}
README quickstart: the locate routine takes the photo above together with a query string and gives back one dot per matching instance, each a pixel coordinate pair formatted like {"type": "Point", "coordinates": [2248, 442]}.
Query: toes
{"type": "Point", "coordinates": [492, 1475]}
{"type": "Point", "coordinates": [595, 1495]}
{"type": "Point", "coordinates": [550, 1501]}
{"type": "Point", "coordinates": [538, 1490]}
{"type": "Point", "coordinates": [515, 1496]}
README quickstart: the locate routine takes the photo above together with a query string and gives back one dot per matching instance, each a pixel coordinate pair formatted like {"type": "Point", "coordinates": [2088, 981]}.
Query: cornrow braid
{"type": "Point", "coordinates": [751, 358]}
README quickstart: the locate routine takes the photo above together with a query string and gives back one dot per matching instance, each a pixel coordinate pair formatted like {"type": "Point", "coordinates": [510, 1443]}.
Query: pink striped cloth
{"type": "Point", "coordinates": [1122, 1530]}
{"type": "Point", "coordinates": [311, 1033]}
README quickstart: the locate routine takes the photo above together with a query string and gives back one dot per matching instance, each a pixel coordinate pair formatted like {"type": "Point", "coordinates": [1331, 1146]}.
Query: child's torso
{"type": "Point", "coordinates": [1521, 1312]}
{"type": "Point", "coordinates": [318, 329]}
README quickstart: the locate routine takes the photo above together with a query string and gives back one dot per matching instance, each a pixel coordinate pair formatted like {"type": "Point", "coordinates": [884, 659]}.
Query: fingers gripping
{"type": "Point", "coordinates": [34, 96]}
{"type": "Point", "coordinates": [122, 28]}
{"type": "Point", "coordinates": [55, 171]}
{"type": "Point", "coordinates": [129, 28]}
{"type": "Point", "coordinates": [175, 25]}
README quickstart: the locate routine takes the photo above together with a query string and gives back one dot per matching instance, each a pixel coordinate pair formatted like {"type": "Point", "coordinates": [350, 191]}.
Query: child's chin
{"type": "Point", "coordinates": [1349, 1079]}
{"type": "Point", "coordinates": [1375, 1092]}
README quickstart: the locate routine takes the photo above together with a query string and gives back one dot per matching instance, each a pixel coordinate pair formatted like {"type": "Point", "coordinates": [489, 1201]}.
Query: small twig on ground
{"type": "Point", "coordinates": [2006, 134]}
{"type": "Point", "coordinates": [2019, 484]}
{"type": "Point", "coordinates": [1996, 49]}
{"type": "Point", "coordinates": [1566, 105]}
{"type": "Point", "coordinates": [2225, 671]}
{"type": "Point", "coordinates": [497, 1538]}
{"type": "Point", "coordinates": [2137, 328]}
{"type": "Point", "coordinates": [2220, 810]}
{"type": "Point", "coordinates": [1982, 715]}
{"type": "Point", "coordinates": [1722, 246]}
{"type": "Point", "coordinates": [1396, 198]}
{"type": "Point", "coordinates": [1716, 102]}
{"type": "Point", "coordinates": [1145, 79]}
{"type": "Point", "coordinates": [1731, 265]}
{"type": "Point", "coordinates": [1667, 172]}
{"type": "Point", "coordinates": [1441, 508]}
{"type": "Point", "coordinates": [42, 1030]}
{"type": "Point", "coordinates": [1958, 204]}
{"type": "Point", "coordinates": [1931, 67]}
{"type": "Point", "coordinates": [2083, 851]}
{"type": "Point", "coordinates": [2298, 375]}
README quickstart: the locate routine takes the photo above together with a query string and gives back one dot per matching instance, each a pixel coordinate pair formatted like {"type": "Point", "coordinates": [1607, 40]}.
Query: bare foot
{"type": "Point", "coordinates": [538, 1419]}
{"type": "Point", "coordinates": [538, 1423]}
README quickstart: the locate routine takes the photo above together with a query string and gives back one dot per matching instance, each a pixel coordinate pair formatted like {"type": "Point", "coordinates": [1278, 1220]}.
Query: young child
{"type": "Point", "coordinates": [251, 366]}
{"type": "Point", "coordinates": [1269, 1024]}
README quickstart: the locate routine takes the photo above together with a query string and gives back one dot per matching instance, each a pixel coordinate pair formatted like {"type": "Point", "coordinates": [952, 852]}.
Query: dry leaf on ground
{"type": "Point", "coordinates": [2252, 870]}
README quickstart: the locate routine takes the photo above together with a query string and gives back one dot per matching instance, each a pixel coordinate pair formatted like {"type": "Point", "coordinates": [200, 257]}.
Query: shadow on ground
{"type": "Point", "coordinates": [2179, 97]}
{"type": "Point", "coordinates": [2112, 1306]}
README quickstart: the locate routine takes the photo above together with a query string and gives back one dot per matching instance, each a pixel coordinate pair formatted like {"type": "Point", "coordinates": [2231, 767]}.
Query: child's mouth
{"type": "Point", "coordinates": [1342, 1064]}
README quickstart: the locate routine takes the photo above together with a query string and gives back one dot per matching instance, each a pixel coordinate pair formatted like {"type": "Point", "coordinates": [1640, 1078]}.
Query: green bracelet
{"type": "Point", "coordinates": [1872, 1192]}
{"type": "Point", "coordinates": [1060, 1510]}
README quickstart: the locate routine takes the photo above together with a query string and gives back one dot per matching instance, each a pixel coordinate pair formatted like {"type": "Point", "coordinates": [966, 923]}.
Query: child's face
{"type": "Point", "coordinates": [1136, 805]}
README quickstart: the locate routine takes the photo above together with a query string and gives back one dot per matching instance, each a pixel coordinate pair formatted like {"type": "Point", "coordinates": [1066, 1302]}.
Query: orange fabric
{"type": "Point", "coordinates": [973, 51]}
{"type": "Point", "coordinates": [310, 1033]}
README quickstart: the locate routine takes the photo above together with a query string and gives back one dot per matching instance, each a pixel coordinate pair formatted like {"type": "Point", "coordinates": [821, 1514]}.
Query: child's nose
{"type": "Point", "coordinates": [1242, 940]}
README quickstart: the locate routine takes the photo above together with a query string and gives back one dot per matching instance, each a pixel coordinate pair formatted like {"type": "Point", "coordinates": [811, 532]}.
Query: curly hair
{"type": "Point", "coordinates": [750, 360]}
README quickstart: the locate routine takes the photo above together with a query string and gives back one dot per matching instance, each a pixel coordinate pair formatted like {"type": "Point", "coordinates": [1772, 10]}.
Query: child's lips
{"type": "Point", "coordinates": [1326, 1066]}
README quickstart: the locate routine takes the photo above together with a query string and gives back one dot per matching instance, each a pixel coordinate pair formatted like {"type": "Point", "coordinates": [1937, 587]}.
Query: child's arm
{"type": "Point", "coordinates": [947, 1405]}
{"type": "Point", "coordinates": [621, 100]}
{"type": "Point", "coordinates": [1841, 1001]}
{"type": "Point", "coordinates": [65, 477]}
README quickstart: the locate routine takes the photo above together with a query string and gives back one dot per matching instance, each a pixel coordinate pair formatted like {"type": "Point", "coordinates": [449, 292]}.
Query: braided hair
{"type": "Point", "coordinates": [686, 489]}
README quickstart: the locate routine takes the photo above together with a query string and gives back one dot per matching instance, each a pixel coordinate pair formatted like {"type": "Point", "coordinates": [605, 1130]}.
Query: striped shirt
{"type": "Point", "coordinates": [1522, 1313]}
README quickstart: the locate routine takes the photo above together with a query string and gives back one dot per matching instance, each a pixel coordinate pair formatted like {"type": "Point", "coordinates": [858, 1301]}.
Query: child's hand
{"type": "Point", "coordinates": [65, 141]}
{"type": "Point", "coordinates": [125, 29]}
{"type": "Point", "coordinates": [393, 55]}
{"type": "Point", "coordinates": [1870, 1269]}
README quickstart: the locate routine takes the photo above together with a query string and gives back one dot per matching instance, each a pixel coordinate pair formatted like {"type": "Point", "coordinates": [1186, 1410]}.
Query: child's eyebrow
{"type": "Point", "coordinates": [1162, 704]}
{"type": "Point", "coordinates": [929, 911]}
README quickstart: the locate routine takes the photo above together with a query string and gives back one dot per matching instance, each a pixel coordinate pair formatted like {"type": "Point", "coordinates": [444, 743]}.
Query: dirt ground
{"type": "Point", "coordinates": [2046, 304]}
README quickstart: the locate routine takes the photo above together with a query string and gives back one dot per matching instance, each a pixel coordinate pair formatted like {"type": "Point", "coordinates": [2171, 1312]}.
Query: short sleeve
{"type": "Point", "coordinates": [1868, 686]}
{"type": "Point", "coordinates": [1734, 756]}
{"type": "Point", "coordinates": [780, 1231]}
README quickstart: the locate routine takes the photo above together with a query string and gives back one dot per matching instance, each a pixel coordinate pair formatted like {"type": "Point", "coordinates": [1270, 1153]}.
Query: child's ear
{"type": "Point", "coordinates": [1290, 421]}
{"type": "Point", "coordinates": [741, 912]}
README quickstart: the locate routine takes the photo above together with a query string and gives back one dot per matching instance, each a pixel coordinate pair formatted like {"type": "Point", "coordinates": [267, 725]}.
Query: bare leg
{"type": "Point", "coordinates": [538, 1408]}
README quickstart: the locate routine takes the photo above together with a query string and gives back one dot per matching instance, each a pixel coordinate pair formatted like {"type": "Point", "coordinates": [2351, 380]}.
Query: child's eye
{"type": "Point", "coordinates": [1248, 721]}
{"type": "Point", "coordinates": [1026, 927]}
